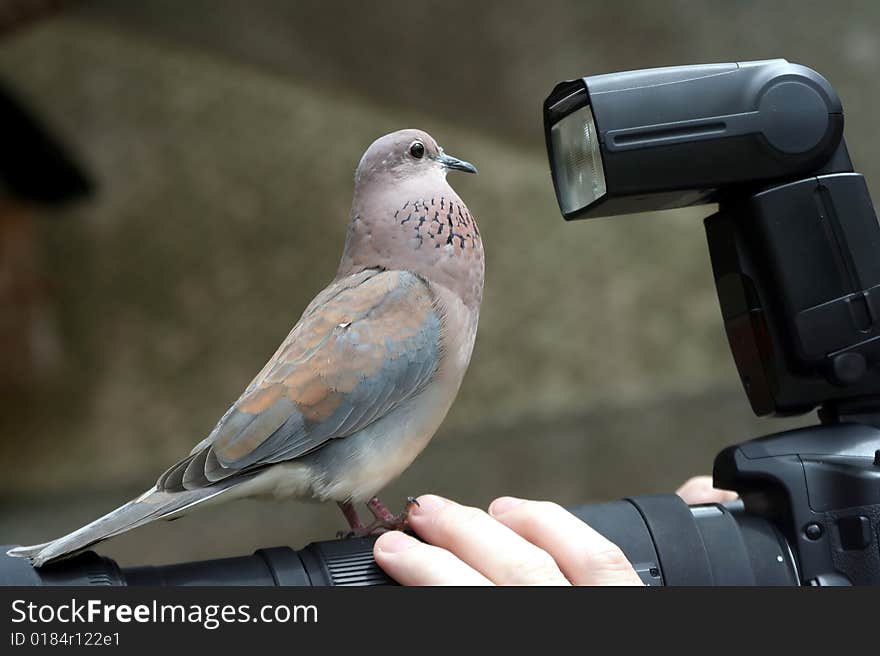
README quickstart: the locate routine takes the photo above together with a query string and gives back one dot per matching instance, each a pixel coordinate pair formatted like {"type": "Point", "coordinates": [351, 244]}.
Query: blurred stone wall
{"type": "Point", "coordinates": [223, 137]}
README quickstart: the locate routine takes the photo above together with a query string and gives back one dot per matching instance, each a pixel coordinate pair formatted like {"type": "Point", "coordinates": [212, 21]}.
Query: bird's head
{"type": "Point", "coordinates": [406, 155]}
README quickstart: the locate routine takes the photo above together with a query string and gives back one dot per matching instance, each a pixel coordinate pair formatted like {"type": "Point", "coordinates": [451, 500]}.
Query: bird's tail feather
{"type": "Point", "coordinates": [151, 505]}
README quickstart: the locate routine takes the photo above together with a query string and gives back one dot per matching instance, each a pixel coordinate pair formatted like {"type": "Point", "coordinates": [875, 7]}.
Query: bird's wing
{"type": "Point", "coordinates": [363, 346]}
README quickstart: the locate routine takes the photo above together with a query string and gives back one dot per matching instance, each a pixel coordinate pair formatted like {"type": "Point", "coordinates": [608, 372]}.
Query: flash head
{"type": "Point", "coordinates": [686, 135]}
{"type": "Point", "coordinates": [795, 243]}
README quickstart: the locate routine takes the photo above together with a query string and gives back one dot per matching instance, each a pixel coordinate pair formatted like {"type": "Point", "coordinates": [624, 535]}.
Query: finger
{"type": "Point", "coordinates": [489, 547]}
{"type": "Point", "coordinates": [699, 490]}
{"type": "Point", "coordinates": [584, 556]}
{"type": "Point", "coordinates": [410, 562]}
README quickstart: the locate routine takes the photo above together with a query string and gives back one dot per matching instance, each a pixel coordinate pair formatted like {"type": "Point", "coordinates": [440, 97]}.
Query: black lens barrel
{"type": "Point", "coordinates": [671, 543]}
{"type": "Point", "coordinates": [336, 562]}
{"type": "Point", "coordinates": [668, 543]}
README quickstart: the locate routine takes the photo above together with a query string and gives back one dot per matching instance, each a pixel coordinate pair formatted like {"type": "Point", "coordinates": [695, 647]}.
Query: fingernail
{"type": "Point", "coordinates": [395, 542]}
{"type": "Point", "coordinates": [428, 504]}
{"type": "Point", "coordinates": [502, 504]}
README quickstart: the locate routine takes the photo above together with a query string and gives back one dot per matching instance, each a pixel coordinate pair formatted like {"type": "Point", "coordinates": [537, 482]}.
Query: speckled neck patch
{"type": "Point", "coordinates": [439, 221]}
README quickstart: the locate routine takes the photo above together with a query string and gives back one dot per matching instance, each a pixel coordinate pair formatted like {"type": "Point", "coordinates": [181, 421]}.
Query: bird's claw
{"type": "Point", "coordinates": [384, 521]}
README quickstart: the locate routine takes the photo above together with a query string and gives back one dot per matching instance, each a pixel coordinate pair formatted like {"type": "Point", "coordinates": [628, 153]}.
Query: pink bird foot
{"type": "Point", "coordinates": [384, 521]}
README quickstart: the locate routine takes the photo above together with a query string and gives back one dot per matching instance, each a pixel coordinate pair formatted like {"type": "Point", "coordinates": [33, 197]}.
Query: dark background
{"type": "Point", "coordinates": [222, 137]}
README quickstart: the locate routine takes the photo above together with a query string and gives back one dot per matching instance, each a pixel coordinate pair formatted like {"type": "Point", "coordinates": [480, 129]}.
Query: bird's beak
{"type": "Point", "coordinates": [451, 162]}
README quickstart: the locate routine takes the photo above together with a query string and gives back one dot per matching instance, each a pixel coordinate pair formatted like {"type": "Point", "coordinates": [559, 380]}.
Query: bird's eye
{"type": "Point", "coordinates": [417, 149]}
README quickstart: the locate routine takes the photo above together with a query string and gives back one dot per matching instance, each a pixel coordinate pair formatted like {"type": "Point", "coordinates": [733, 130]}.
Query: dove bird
{"type": "Point", "coordinates": [364, 379]}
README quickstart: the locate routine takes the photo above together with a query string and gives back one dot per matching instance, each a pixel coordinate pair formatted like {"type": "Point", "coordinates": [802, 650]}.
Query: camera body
{"type": "Point", "coordinates": [820, 486]}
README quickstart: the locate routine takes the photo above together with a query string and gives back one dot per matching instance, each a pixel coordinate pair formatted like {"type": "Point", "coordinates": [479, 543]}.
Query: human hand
{"type": "Point", "coordinates": [518, 542]}
{"type": "Point", "coordinates": [699, 490]}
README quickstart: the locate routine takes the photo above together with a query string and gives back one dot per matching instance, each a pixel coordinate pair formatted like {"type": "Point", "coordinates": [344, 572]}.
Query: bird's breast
{"type": "Point", "coordinates": [357, 466]}
{"type": "Point", "coordinates": [430, 232]}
